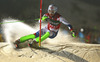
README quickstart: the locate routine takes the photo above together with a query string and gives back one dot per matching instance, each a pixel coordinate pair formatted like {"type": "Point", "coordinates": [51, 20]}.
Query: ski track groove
{"type": "Point", "coordinates": [97, 53]}
{"type": "Point", "coordinates": [60, 59]}
{"type": "Point", "coordinates": [85, 54]}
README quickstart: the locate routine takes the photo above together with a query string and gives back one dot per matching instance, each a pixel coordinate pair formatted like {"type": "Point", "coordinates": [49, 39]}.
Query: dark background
{"type": "Point", "coordinates": [80, 13]}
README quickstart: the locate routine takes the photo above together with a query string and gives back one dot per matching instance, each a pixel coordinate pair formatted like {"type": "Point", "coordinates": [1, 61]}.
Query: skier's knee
{"type": "Point", "coordinates": [54, 34]}
{"type": "Point", "coordinates": [52, 37]}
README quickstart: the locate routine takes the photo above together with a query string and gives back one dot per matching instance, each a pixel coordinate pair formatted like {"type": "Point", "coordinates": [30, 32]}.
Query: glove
{"type": "Point", "coordinates": [43, 18]}
{"type": "Point", "coordinates": [73, 34]}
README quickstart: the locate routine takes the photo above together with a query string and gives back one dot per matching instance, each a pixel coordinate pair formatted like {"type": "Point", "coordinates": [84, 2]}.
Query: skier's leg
{"type": "Point", "coordinates": [44, 34]}
{"type": "Point", "coordinates": [35, 42]}
{"type": "Point", "coordinates": [31, 36]}
{"type": "Point", "coordinates": [43, 31]}
{"type": "Point", "coordinates": [53, 34]}
{"type": "Point", "coordinates": [49, 34]}
{"type": "Point", "coordinates": [23, 39]}
{"type": "Point", "coordinates": [43, 37]}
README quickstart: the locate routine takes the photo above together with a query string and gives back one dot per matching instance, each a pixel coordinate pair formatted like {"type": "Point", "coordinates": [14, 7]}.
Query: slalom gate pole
{"type": "Point", "coordinates": [40, 23]}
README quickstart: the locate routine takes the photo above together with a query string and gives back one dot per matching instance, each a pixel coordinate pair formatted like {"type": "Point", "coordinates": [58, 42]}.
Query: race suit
{"type": "Point", "coordinates": [53, 25]}
{"type": "Point", "coordinates": [50, 30]}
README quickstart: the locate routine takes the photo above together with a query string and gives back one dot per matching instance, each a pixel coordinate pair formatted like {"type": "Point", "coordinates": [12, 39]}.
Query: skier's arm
{"type": "Point", "coordinates": [64, 21]}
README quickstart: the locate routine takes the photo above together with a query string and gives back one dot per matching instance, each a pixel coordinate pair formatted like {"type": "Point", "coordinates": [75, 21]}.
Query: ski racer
{"type": "Point", "coordinates": [54, 20]}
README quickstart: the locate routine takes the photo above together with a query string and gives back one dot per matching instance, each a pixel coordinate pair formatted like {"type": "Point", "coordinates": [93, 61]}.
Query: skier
{"type": "Point", "coordinates": [54, 20]}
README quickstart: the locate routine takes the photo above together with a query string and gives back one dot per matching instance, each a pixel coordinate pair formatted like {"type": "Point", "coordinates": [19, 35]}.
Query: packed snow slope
{"type": "Point", "coordinates": [63, 48]}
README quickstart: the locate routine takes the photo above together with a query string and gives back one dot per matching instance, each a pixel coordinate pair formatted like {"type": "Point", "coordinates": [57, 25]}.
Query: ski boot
{"type": "Point", "coordinates": [17, 43]}
{"type": "Point", "coordinates": [33, 44]}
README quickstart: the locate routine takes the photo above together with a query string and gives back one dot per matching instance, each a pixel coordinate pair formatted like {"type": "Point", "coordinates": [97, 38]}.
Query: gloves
{"type": "Point", "coordinates": [73, 34]}
{"type": "Point", "coordinates": [43, 18]}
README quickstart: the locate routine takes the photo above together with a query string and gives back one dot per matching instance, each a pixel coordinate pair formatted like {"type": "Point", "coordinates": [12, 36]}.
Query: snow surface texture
{"type": "Point", "coordinates": [63, 48]}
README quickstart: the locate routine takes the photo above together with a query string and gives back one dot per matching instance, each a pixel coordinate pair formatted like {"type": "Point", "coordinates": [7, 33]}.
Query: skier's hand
{"type": "Point", "coordinates": [73, 34]}
{"type": "Point", "coordinates": [43, 18]}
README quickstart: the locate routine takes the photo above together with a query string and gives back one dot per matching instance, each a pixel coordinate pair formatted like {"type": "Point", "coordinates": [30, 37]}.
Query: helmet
{"type": "Point", "coordinates": [52, 9]}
